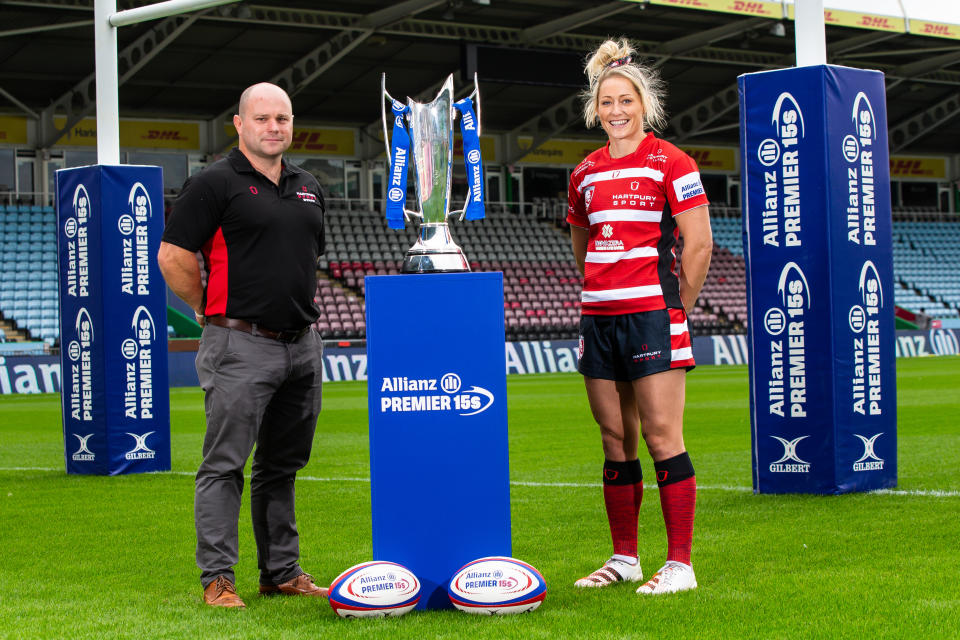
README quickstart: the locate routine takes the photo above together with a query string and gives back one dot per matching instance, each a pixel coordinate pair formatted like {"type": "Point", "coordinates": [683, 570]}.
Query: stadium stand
{"type": "Point", "coordinates": [541, 282]}
{"type": "Point", "coordinates": [926, 265]}
{"type": "Point", "coordinates": [28, 271]}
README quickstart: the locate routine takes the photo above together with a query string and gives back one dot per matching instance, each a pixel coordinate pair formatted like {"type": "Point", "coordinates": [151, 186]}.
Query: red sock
{"type": "Point", "coordinates": [678, 501]}
{"type": "Point", "coordinates": [620, 501]}
{"type": "Point", "coordinates": [637, 498]}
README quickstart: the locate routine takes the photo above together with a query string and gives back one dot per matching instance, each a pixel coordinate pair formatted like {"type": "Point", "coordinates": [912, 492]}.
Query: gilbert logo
{"type": "Point", "coordinates": [783, 465]}
{"type": "Point", "coordinates": [869, 461]}
{"type": "Point", "coordinates": [140, 451]}
{"type": "Point", "coordinates": [83, 454]}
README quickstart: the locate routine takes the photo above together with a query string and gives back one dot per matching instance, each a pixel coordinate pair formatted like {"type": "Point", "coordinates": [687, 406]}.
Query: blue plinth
{"type": "Point", "coordinates": [113, 320]}
{"type": "Point", "coordinates": [439, 467]}
{"type": "Point", "coordinates": [818, 246]}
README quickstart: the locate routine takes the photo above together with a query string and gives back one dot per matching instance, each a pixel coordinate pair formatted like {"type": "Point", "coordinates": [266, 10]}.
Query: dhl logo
{"type": "Point", "coordinates": [688, 3]}
{"type": "Point", "coordinates": [310, 141]}
{"type": "Point", "coordinates": [905, 168]}
{"type": "Point", "coordinates": [163, 134]}
{"type": "Point", "coordinates": [938, 30]}
{"type": "Point", "coordinates": [875, 22]}
{"type": "Point", "coordinates": [757, 8]}
{"type": "Point", "coordinates": [829, 17]}
{"type": "Point", "coordinates": [3, 135]}
{"type": "Point", "coordinates": [707, 158]}
{"type": "Point", "coordinates": [702, 157]}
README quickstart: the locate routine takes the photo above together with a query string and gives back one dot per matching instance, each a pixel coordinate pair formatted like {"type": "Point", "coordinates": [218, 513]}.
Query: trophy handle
{"type": "Point", "coordinates": [475, 96]}
{"type": "Point", "coordinates": [385, 96]}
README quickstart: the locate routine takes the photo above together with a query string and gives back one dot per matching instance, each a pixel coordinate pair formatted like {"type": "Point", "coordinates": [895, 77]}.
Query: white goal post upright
{"type": "Point", "coordinates": [106, 21]}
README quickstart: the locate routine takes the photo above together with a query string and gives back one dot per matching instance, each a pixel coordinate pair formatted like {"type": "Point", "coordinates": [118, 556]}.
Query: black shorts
{"type": "Point", "coordinates": [633, 345]}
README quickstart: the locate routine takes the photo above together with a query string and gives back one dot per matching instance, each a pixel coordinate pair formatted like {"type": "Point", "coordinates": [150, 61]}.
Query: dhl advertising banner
{"type": "Point", "coordinates": [134, 134]}
{"type": "Point", "coordinates": [924, 168]}
{"type": "Point", "coordinates": [713, 159]}
{"type": "Point", "coordinates": [818, 247]}
{"type": "Point", "coordinates": [13, 130]}
{"type": "Point", "coordinates": [761, 8]}
{"type": "Point", "coordinates": [564, 152]}
{"type": "Point", "coordinates": [439, 457]}
{"type": "Point", "coordinates": [113, 320]}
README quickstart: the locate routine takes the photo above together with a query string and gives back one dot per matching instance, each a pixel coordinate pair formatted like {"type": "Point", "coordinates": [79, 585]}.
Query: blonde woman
{"type": "Point", "coordinates": [629, 203]}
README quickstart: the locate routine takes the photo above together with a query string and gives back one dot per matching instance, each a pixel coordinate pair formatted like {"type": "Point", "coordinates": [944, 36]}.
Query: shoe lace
{"type": "Point", "coordinates": [224, 586]}
{"type": "Point", "coordinates": [671, 569]}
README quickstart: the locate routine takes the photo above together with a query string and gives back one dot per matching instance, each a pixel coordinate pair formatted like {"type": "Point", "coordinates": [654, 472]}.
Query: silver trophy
{"type": "Point", "coordinates": [431, 146]}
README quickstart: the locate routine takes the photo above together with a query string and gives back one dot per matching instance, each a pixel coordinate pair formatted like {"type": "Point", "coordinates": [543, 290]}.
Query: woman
{"type": "Point", "coordinates": [628, 204]}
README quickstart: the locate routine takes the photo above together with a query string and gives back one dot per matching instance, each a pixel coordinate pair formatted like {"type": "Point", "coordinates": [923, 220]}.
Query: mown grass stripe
{"type": "Point", "coordinates": [924, 493]}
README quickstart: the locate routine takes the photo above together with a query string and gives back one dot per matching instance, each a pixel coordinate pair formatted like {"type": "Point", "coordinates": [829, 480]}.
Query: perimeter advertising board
{"type": "Point", "coordinates": [818, 247]}
{"type": "Point", "coordinates": [113, 320]}
{"type": "Point", "coordinates": [437, 397]}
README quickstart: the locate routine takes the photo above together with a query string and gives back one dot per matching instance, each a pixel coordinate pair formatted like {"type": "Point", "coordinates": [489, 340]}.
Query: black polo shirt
{"type": "Point", "coordinates": [260, 241]}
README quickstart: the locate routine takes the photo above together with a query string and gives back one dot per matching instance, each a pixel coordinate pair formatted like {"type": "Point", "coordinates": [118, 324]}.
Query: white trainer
{"type": "Point", "coordinates": [613, 570]}
{"type": "Point", "coordinates": [672, 577]}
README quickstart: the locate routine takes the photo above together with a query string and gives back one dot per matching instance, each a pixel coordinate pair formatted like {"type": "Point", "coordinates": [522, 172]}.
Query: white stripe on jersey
{"type": "Point", "coordinates": [603, 295]}
{"type": "Point", "coordinates": [681, 354]}
{"type": "Point", "coordinates": [625, 215]}
{"type": "Point", "coordinates": [678, 329]}
{"type": "Point", "coordinates": [616, 256]}
{"type": "Point", "coordinates": [616, 174]}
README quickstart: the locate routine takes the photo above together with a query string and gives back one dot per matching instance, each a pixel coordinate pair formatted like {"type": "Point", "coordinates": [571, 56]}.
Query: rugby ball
{"type": "Point", "coordinates": [496, 586]}
{"type": "Point", "coordinates": [374, 590]}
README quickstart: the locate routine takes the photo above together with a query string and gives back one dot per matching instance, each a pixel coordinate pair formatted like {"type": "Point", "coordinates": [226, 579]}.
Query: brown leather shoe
{"type": "Point", "coordinates": [302, 585]}
{"type": "Point", "coordinates": [222, 593]}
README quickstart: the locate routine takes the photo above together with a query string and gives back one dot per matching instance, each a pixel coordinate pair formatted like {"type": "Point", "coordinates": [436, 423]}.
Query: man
{"type": "Point", "coordinates": [259, 223]}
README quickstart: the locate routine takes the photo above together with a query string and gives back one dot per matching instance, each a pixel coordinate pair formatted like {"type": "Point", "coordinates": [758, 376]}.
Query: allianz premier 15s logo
{"type": "Point", "coordinates": [403, 394]}
{"type": "Point", "coordinates": [864, 320]}
{"type": "Point", "coordinates": [858, 151]}
{"type": "Point", "coordinates": [135, 264]}
{"type": "Point", "coordinates": [787, 383]}
{"type": "Point", "coordinates": [780, 157]}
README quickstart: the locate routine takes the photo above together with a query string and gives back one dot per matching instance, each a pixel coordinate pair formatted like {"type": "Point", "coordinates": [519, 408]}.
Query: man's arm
{"type": "Point", "coordinates": [182, 273]}
{"type": "Point", "coordinates": [697, 236]}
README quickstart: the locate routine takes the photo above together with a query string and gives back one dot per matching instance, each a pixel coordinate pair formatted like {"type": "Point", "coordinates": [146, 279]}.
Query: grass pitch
{"type": "Point", "coordinates": [96, 557]}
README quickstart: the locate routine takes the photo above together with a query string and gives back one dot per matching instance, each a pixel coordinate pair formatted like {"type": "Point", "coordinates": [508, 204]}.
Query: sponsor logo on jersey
{"type": "Point", "coordinates": [688, 186]}
{"type": "Point", "coordinates": [659, 156]}
{"type": "Point", "coordinates": [607, 245]}
{"type": "Point", "coordinates": [306, 196]}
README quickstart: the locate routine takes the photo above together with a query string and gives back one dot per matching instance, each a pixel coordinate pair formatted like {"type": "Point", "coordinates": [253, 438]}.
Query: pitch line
{"type": "Point", "coordinates": [924, 493]}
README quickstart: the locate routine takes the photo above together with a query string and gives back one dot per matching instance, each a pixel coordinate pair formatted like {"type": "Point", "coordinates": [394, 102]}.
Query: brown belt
{"type": "Point", "coordinates": [255, 329]}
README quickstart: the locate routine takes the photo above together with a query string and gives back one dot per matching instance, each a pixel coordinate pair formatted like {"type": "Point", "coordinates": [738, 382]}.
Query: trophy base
{"type": "Point", "coordinates": [435, 263]}
{"type": "Point", "coordinates": [435, 252]}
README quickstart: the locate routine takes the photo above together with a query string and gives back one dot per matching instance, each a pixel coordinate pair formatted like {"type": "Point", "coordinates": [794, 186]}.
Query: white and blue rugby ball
{"type": "Point", "coordinates": [374, 590]}
{"type": "Point", "coordinates": [496, 586]}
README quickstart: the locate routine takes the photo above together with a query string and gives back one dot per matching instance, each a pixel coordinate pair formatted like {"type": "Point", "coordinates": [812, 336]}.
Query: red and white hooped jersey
{"type": "Point", "coordinates": [628, 205]}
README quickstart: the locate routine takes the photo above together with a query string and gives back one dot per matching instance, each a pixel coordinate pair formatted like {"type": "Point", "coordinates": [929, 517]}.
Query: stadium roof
{"type": "Point", "coordinates": [528, 55]}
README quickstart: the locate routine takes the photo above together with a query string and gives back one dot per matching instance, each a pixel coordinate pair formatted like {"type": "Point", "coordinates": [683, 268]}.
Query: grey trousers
{"type": "Point", "coordinates": [262, 392]}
